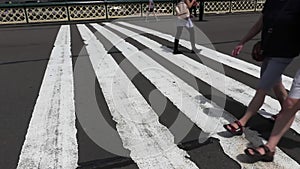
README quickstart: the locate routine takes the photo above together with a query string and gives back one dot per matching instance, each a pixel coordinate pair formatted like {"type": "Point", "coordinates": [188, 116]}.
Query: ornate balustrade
{"type": "Point", "coordinates": [96, 10]}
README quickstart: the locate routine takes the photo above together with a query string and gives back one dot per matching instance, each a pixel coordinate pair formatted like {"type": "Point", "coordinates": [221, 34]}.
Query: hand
{"type": "Point", "coordinates": [195, 3]}
{"type": "Point", "coordinates": [237, 50]}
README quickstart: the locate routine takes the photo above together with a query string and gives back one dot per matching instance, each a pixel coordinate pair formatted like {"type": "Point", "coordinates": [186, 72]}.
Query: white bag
{"type": "Point", "coordinates": [182, 11]}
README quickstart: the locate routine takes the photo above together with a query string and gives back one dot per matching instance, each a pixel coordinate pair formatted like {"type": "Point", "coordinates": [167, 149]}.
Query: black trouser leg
{"type": "Point", "coordinates": [176, 42]}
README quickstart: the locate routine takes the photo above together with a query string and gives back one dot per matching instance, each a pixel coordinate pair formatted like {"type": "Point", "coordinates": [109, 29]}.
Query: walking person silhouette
{"type": "Point", "coordinates": [151, 7]}
{"type": "Point", "coordinates": [184, 21]}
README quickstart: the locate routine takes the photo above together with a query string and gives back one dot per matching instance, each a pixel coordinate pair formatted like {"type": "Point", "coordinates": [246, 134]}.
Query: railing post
{"type": "Point", "coordinates": [68, 12]}
{"type": "Point", "coordinates": [106, 12]}
{"type": "Point", "coordinates": [201, 10]}
{"type": "Point", "coordinates": [174, 7]}
{"type": "Point", "coordinates": [230, 7]}
{"type": "Point", "coordinates": [141, 9]}
{"type": "Point", "coordinates": [26, 15]}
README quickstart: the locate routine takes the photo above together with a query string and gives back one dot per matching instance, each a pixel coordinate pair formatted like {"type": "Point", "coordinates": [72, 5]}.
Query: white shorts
{"type": "Point", "coordinates": [295, 89]}
{"type": "Point", "coordinates": [185, 22]}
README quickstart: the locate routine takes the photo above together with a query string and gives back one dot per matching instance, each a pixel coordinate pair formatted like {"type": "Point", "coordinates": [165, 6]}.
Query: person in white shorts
{"type": "Point", "coordinates": [184, 21]}
{"type": "Point", "coordinates": [283, 122]}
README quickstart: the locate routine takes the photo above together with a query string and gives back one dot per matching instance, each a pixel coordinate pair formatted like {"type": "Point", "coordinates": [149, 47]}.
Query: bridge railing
{"type": "Point", "coordinates": [24, 13]}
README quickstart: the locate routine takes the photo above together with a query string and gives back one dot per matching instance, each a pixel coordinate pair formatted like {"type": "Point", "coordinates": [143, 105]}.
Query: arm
{"type": "Point", "coordinates": [256, 28]}
{"type": "Point", "coordinates": [188, 3]}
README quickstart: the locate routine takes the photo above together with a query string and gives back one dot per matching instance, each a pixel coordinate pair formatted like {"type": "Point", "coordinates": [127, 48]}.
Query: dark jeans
{"type": "Point", "coordinates": [191, 32]}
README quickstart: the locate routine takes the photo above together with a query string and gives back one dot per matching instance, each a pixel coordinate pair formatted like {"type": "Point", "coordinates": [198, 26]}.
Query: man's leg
{"type": "Point", "coordinates": [282, 124]}
{"type": "Point", "coordinates": [285, 118]}
{"type": "Point", "coordinates": [253, 107]}
{"type": "Point", "coordinates": [280, 92]}
{"type": "Point", "coordinates": [283, 121]}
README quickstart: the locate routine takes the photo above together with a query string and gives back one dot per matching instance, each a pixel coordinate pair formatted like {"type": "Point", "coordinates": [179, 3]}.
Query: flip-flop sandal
{"type": "Point", "coordinates": [274, 117]}
{"type": "Point", "coordinates": [235, 131]}
{"type": "Point", "coordinates": [268, 156]}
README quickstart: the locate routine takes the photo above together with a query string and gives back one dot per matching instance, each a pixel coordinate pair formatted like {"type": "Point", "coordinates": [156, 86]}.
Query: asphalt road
{"type": "Point", "coordinates": [25, 52]}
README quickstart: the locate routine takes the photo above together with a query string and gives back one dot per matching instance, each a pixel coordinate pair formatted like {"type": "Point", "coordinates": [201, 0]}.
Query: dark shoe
{"type": "Point", "coordinates": [268, 156]}
{"type": "Point", "coordinates": [195, 50]}
{"type": "Point", "coordinates": [175, 49]}
{"type": "Point", "coordinates": [177, 52]}
{"type": "Point", "coordinates": [234, 131]}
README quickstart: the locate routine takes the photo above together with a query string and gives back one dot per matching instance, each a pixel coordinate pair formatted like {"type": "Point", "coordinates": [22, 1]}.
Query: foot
{"type": "Point", "coordinates": [195, 50]}
{"type": "Point", "coordinates": [235, 128]}
{"type": "Point", "coordinates": [261, 153]}
{"type": "Point", "coordinates": [274, 117]}
{"type": "Point", "coordinates": [177, 52]}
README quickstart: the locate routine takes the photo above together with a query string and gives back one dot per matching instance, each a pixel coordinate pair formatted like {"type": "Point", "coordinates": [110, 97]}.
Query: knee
{"type": "Point", "coordinates": [261, 92]}
{"type": "Point", "coordinates": [290, 103]}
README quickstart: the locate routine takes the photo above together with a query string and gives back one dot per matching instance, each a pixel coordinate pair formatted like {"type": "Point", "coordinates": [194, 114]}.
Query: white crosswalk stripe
{"type": "Point", "coordinates": [51, 136]}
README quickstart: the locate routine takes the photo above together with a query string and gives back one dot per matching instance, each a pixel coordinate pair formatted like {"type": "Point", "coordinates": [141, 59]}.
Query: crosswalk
{"type": "Point", "coordinates": [141, 80]}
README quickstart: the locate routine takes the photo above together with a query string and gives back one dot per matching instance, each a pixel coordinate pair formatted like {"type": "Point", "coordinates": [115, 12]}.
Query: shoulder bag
{"type": "Point", "coordinates": [257, 51]}
{"type": "Point", "coordinates": [182, 10]}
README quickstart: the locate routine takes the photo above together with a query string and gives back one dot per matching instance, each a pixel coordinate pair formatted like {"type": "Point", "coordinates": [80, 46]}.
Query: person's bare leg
{"type": "Point", "coordinates": [147, 15]}
{"type": "Point", "coordinates": [281, 95]}
{"type": "Point", "coordinates": [155, 16]}
{"type": "Point", "coordinates": [283, 121]}
{"type": "Point", "coordinates": [282, 124]}
{"type": "Point", "coordinates": [253, 107]}
{"type": "Point", "coordinates": [280, 92]}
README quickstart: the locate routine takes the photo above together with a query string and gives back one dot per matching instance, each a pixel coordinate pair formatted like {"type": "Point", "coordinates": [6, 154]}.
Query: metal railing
{"type": "Point", "coordinates": [23, 13]}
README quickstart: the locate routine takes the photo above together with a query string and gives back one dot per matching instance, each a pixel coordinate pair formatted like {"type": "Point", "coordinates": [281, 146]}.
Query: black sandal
{"type": "Point", "coordinates": [195, 50]}
{"type": "Point", "coordinates": [274, 117]}
{"type": "Point", "coordinates": [235, 131]}
{"type": "Point", "coordinates": [268, 156]}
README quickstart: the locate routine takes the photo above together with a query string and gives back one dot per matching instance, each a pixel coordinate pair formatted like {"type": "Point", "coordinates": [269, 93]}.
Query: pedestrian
{"type": "Point", "coordinates": [151, 10]}
{"type": "Point", "coordinates": [282, 123]}
{"type": "Point", "coordinates": [194, 9]}
{"type": "Point", "coordinates": [184, 20]}
{"type": "Point", "coordinates": [280, 42]}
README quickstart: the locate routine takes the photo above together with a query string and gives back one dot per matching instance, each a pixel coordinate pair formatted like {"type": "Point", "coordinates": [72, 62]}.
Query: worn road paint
{"type": "Point", "coordinates": [184, 97]}
{"type": "Point", "coordinates": [230, 61]}
{"type": "Point", "coordinates": [151, 144]}
{"type": "Point", "coordinates": [51, 136]}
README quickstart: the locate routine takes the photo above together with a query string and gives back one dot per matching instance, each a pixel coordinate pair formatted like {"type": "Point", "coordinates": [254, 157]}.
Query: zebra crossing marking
{"type": "Point", "coordinates": [133, 114]}
{"type": "Point", "coordinates": [51, 136]}
{"type": "Point", "coordinates": [165, 85]}
{"type": "Point", "coordinates": [59, 128]}
{"type": "Point", "coordinates": [232, 87]}
{"type": "Point", "coordinates": [230, 61]}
